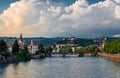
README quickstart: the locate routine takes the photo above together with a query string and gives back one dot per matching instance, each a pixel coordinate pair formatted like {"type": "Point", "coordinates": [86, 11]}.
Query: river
{"type": "Point", "coordinates": [58, 67]}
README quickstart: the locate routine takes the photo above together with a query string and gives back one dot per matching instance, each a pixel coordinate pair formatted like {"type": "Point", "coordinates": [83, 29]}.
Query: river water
{"type": "Point", "coordinates": [58, 67]}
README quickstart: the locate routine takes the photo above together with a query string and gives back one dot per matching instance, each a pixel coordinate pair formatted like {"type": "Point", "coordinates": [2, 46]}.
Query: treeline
{"type": "Point", "coordinates": [89, 49]}
{"type": "Point", "coordinates": [4, 54]}
{"type": "Point", "coordinates": [82, 42]}
{"type": "Point", "coordinates": [112, 47]}
{"type": "Point", "coordinates": [81, 51]}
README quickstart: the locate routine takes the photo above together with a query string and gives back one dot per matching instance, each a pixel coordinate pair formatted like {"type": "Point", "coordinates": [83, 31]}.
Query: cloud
{"type": "Point", "coordinates": [45, 18]}
{"type": "Point", "coordinates": [117, 35]}
{"type": "Point", "coordinates": [117, 12]}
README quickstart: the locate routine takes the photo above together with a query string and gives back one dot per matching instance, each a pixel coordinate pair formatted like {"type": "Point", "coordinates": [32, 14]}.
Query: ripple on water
{"type": "Point", "coordinates": [86, 67]}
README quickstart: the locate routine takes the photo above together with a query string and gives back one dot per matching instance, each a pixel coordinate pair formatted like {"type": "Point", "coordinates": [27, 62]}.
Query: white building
{"type": "Point", "coordinates": [9, 47]}
{"type": "Point", "coordinates": [58, 47]}
{"type": "Point", "coordinates": [32, 48]}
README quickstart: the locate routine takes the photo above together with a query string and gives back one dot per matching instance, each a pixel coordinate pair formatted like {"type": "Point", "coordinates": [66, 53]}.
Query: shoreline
{"type": "Point", "coordinates": [112, 57]}
{"type": "Point", "coordinates": [8, 60]}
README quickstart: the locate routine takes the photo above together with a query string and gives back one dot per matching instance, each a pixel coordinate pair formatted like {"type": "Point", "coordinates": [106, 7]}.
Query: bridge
{"type": "Point", "coordinates": [69, 53]}
{"type": "Point", "coordinates": [65, 53]}
{"type": "Point", "coordinates": [72, 53]}
{"type": "Point", "coordinates": [62, 53]}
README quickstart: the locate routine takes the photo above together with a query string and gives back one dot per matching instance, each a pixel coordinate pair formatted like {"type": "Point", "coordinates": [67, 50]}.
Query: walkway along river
{"type": "Point", "coordinates": [68, 67]}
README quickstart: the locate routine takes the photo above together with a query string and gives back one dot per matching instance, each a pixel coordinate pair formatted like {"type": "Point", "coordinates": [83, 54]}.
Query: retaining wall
{"type": "Point", "coordinates": [113, 57]}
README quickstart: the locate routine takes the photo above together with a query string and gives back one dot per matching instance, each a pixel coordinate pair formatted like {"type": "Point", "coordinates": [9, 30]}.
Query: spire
{"type": "Point", "coordinates": [31, 42]}
{"type": "Point", "coordinates": [21, 39]}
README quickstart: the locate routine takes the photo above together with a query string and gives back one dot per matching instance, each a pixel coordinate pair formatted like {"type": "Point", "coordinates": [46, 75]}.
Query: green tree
{"type": "Point", "coordinates": [26, 49]}
{"type": "Point", "coordinates": [49, 49]}
{"type": "Point", "coordinates": [41, 51]}
{"type": "Point", "coordinates": [91, 49]}
{"type": "Point", "coordinates": [65, 50]}
{"type": "Point", "coordinates": [3, 49]}
{"type": "Point", "coordinates": [23, 55]}
{"type": "Point", "coordinates": [112, 47]}
{"type": "Point", "coordinates": [80, 52]}
{"type": "Point", "coordinates": [3, 45]}
{"type": "Point", "coordinates": [15, 47]}
{"type": "Point", "coordinates": [6, 54]}
{"type": "Point", "coordinates": [41, 48]}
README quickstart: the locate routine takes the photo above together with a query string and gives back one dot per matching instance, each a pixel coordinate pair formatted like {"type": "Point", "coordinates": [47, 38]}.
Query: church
{"type": "Point", "coordinates": [32, 48]}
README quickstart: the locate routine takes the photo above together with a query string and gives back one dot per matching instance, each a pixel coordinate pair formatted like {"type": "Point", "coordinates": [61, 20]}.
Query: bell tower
{"type": "Point", "coordinates": [21, 42]}
{"type": "Point", "coordinates": [103, 42]}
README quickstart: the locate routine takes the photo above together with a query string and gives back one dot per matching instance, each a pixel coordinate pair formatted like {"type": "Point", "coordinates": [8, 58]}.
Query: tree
{"type": "Point", "coordinates": [80, 52]}
{"type": "Point", "coordinates": [65, 50]}
{"type": "Point", "coordinates": [91, 49]}
{"type": "Point", "coordinates": [23, 55]}
{"type": "Point", "coordinates": [3, 49]}
{"type": "Point", "coordinates": [15, 47]}
{"type": "Point", "coordinates": [26, 49]}
{"type": "Point", "coordinates": [6, 55]}
{"type": "Point", "coordinates": [112, 47]}
{"type": "Point", "coordinates": [41, 48]}
{"type": "Point", "coordinates": [3, 45]}
{"type": "Point", "coordinates": [41, 51]}
{"type": "Point", "coordinates": [49, 49]}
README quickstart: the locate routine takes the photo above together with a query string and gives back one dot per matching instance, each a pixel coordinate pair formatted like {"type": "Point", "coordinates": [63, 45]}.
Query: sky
{"type": "Point", "coordinates": [56, 18]}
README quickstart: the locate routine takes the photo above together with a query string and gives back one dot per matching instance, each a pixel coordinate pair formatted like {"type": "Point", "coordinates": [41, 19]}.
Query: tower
{"type": "Point", "coordinates": [21, 38]}
{"type": "Point", "coordinates": [103, 42]}
{"type": "Point", "coordinates": [31, 42]}
{"type": "Point", "coordinates": [31, 46]}
{"type": "Point", "coordinates": [21, 42]}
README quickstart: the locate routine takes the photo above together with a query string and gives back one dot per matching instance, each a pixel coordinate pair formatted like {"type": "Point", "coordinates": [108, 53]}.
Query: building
{"type": "Point", "coordinates": [58, 47]}
{"type": "Point", "coordinates": [32, 48]}
{"type": "Point", "coordinates": [21, 42]}
{"type": "Point", "coordinates": [10, 44]}
{"type": "Point", "coordinates": [103, 43]}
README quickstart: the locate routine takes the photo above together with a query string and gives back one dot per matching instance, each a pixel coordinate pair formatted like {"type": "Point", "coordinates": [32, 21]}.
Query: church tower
{"type": "Point", "coordinates": [103, 42]}
{"type": "Point", "coordinates": [31, 46]}
{"type": "Point", "coordinates": [21, 38]}
{"type": "Point", "coordinates": [21, 42]}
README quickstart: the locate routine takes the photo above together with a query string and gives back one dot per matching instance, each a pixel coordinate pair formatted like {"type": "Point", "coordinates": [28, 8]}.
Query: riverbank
{"type": "Point", "coordinates": [13, 59]}
{"type": "Point", "coordinates": [112, 57]}
{"type": "Point", "coordinates": [8, 60]}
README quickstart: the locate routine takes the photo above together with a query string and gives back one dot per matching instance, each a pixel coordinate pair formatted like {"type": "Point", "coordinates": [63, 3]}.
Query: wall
{"type": "Point", "coordinates": [113, 57]}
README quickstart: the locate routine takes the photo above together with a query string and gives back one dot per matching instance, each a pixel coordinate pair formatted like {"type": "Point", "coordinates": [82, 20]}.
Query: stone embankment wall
{"type": "Point", "coordinates": [113, 57]}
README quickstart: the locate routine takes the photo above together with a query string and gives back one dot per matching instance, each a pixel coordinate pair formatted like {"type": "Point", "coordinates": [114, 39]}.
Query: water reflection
{"type": "Point", "coordinates": [87, 67]}
{"type": "Point", "coordinates": [16, 71]}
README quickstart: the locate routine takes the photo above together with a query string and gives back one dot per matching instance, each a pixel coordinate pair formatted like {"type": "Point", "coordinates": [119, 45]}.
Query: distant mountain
{"type": "Point", "coordinates": [60, 40]}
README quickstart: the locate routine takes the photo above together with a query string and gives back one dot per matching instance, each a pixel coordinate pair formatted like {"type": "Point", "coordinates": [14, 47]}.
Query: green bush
{"type": "Point", "coordinates": [112, 47]}
{"type": "Point", "coordinates": [42, 55]}
{"type": "Point", "coordinates": [23, 55]}
{"type": "Point", "coordinates": [19, 57]}
{"type": "Point", "coordinates": [81, 54]}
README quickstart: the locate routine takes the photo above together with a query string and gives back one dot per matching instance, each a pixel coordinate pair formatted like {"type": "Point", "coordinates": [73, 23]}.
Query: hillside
{"type": "Point", "coordinates": [59, 40]}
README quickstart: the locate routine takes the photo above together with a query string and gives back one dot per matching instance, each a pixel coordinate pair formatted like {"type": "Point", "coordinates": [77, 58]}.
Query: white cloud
{"type": "Point", "coordinates": [44, 18]}
{"type": "Point", "coordinates": [117, 35]}
{"type": "Point", "coordinates": [117, 12]}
